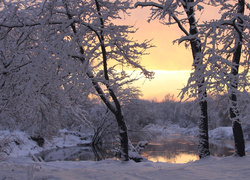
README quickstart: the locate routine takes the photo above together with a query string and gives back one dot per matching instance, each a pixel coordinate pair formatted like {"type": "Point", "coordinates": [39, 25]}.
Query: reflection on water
{"type": "Point", "coordinates": [220, 148]}
{"type": "Point", "coordinates": [180, 158]}
{"type": "Point", "coordinates": [179, 149]}
{"type": "Point", "coordinates": [174, 149]}
{"type": "Point", "coordinates": [77, 154]}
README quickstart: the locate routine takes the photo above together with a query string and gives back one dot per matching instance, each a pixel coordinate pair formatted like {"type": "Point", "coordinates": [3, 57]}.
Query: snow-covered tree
{"type": "Point", "coordinates": [182, 13]}
{"type": "Point", "coordinates": [34, 83]}
{"type": "Point", "coordinates": [227, 59]}
{"type": "Point", "coordinates": [80, 39]}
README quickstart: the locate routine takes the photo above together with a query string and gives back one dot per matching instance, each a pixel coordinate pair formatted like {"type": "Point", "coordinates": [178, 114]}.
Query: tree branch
{"type": "Point", "coordinates": [153, 4]}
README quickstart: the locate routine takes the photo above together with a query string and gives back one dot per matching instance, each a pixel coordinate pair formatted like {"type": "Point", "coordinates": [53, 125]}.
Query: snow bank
{"type": "Point", "coordinates": [168, 130]}
{"type": "Point", "coordinates": [17, 143]}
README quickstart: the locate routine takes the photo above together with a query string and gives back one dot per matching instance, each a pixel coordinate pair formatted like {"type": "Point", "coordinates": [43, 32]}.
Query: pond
{"type": "Point", "coordinates": [172, 149]}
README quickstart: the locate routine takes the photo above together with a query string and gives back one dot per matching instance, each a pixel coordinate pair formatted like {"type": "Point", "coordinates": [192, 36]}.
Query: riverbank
{"type": "Point", "coordinates": [18, 144]}
{"type": "Point", "coordinates": [19, 163]}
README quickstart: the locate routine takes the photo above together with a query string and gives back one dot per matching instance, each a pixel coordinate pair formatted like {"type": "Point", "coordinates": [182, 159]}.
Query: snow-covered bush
{"type": "Point", "coordinates": [221, 133]}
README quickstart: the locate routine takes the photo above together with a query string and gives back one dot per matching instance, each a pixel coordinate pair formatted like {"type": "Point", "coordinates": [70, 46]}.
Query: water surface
{"type": "Point", "coordinates": [172, 149]}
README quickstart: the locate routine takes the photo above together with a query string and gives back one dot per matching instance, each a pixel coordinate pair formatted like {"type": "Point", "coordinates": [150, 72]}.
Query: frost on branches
{"type": "Point", "coordinates": [38, 84]}
{"type": "Point", "coordinates": [169, 13]}
{"type": "Point", "coordinates": [54, 54]}
{"type": "Point", "coordinates": [220, 51]}
{"type": "Point", "coordinates": [227, 60]}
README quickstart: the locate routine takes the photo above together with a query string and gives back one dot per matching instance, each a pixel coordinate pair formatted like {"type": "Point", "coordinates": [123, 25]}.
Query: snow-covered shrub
{"type": "Point", "coordinates": [221, 133]}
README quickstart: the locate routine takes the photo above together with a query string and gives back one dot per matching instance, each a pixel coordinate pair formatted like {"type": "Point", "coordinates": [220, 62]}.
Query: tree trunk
{"type": "Point", "coordinates": [122, 128]}
{"type": "Point", "coordinates": [238, 139]}
{"type": "Point", "coordinates": [123, 136]}
{"type": "Point", "coordinates": [237, 129]}
{"type": "Point", "coordinates": [234, 112]}
{"type": "Point", "coordinates": [203, 146]}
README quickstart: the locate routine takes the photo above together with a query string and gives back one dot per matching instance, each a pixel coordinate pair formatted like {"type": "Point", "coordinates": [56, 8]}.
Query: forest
{"type": "Point", "coordinates": [68, 65]}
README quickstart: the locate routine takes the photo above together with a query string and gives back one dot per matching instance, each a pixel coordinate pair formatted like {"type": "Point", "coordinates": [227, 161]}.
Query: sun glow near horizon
{"type": "Point", "coordinates": [164, 82]}
{"type": "Point", "coordinates": [171, 62]}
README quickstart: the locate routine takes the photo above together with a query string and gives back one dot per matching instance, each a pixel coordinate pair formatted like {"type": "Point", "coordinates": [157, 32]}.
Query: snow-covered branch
{"type": "Point", "coordinates": [165, 8]}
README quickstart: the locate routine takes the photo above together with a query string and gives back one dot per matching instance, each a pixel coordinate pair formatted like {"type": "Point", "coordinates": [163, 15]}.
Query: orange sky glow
{"type": "Point", "coordinates": [172, 63]}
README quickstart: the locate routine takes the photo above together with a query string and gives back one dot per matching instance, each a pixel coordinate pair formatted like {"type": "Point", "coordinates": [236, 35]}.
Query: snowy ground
{"type": "Point", "coordinates": [208, 168]}
{"type": "Point", "coordinates": [20, 166]}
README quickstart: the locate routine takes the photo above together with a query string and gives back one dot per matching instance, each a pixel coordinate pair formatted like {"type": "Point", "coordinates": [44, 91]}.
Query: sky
{"type": "Point", "coordinates": [172, 63]}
